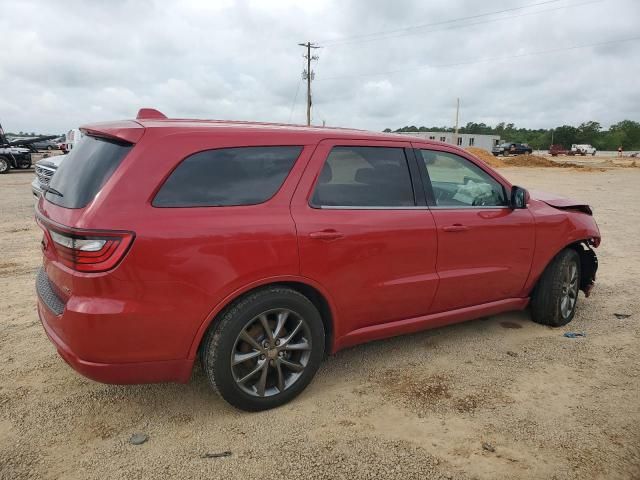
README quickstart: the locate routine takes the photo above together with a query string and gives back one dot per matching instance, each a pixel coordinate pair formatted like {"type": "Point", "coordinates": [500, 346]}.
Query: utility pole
{"type": "Point", "coordinates": [308, 75]}
{"type": "Point", "coordinates": [455, 136]}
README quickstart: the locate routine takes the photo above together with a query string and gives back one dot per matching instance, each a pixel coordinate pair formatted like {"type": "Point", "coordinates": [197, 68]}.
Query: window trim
{"type": "Point", "coordinates": [409, 158]}
{"type": "Point", "coordinates": [164, 180]}
{"type": "Point", "coordinates": [428, 189]}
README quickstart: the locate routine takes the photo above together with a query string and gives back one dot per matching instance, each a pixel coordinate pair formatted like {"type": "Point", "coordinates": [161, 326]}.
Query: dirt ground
{"type": "Point", "coordinates": [421, 406]}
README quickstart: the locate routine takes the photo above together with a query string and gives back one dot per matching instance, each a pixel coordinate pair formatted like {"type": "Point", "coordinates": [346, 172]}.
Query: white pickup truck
{"type": "Point", "coordinates": [583, 149]}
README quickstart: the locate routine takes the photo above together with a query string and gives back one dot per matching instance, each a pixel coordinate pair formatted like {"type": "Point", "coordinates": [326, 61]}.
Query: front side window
{"type": "Point", "coordinates": [457, 182]}
{"type": "Point", "coordinates": [227, 177]}
{"type": "Point", "coordinates": [364, 177]}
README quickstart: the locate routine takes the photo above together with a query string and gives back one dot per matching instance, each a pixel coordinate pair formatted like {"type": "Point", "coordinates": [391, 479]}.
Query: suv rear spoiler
{"type": "Point", "coordinates": [126, 131]}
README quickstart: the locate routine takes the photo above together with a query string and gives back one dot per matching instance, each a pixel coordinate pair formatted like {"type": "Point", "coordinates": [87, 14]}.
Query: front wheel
{"type": "Point", "coordinates": [265, 349]}
{"type": "Point", "coordinates": [555, 297]}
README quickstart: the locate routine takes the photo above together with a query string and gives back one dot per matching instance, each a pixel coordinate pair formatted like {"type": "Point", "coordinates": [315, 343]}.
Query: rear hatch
{"type": "Point", "coordinates": [72, 246]}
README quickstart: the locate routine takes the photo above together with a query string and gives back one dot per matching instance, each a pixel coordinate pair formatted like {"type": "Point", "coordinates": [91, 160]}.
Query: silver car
{"type": "Point", "coordinates": [45, 169]}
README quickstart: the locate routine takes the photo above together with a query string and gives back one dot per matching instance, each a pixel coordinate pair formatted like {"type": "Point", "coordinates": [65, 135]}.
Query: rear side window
{"type": "Point", "coordinates": [364, 177]}
{"type": "Point", "coordinates": [85, 171]}
{"type": "Point", "coordinates": [227, 177]}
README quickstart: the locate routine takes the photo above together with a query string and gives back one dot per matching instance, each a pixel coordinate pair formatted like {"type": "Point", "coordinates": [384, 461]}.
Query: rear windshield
{"type": "Point", "coordinates": [84, 171]}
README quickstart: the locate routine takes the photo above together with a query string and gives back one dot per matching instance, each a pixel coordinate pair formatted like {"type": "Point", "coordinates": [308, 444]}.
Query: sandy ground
{"type": "Point", "coordinates": [419, 406]}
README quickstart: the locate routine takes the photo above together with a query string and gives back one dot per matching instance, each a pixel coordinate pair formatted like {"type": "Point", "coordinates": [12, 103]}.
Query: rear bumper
{"type": "Point", "coordinates": [116, 373]}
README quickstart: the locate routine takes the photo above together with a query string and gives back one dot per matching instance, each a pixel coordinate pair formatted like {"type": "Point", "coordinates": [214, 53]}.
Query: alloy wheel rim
{"type": "Point", "coordinates": [569, 291]}
{"type": "Point", "coordinates": [3, 165]}
{"type": "Point", "coordinates": [271, 352]}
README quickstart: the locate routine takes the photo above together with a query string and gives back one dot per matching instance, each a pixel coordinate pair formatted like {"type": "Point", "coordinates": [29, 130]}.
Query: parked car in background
{"type": "Point", "coordinates": [260, 248]}
{"type": "Point", "coordinates": [44, 171]}
{"type": "Point", "coordinates": [46, 145]}
{"type": "Point", "coordinates": [14, 157]}
{"type": "Point", "coordinates": [583, 149]}
{"type": "Point", "coordinates": [510, 148]}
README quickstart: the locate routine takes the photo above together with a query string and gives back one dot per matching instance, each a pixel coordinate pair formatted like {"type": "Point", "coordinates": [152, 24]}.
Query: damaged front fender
{"type": "Point", "coordinates": [588, 268]}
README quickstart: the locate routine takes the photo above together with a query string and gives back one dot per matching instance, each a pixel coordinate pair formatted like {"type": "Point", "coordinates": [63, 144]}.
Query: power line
{"type": "Point", "coordinates": [362, 37]}
{"type": "Point", "coordinates": [464, 25]}
{"type": "Point", "coordinates": [492, 59]}
{"type": "Point", "coordinates": [295, 97]}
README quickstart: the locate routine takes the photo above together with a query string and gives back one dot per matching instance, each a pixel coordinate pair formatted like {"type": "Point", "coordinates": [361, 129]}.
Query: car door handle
{"type": "Point", "coordinates": [455, 228]}
{"type": "Point", "coordinates": [326, 235]}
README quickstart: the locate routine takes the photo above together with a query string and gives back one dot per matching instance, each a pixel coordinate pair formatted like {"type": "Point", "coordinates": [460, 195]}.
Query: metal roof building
{"type": "Point", "coordinates": [462, 140]}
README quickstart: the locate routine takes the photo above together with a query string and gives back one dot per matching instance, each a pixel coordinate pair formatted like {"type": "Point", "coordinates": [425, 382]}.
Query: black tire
{"type": "Point", "coordinates": [5, 165]}
{"type": "Point", "coordinates": [223, 338]}
{"type": "Point", "coordinates": [552, 290]}
{"type": "Point", "coordinates": [49, 147]}
{"type": "Point", "coordinates": [24, 164]}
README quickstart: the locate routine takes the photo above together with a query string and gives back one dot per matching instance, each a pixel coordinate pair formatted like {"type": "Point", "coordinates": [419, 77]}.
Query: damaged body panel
{"type": "Point", "coordinates": [560, 223]}
{"type": "Point", "coordinates": [561, 203]}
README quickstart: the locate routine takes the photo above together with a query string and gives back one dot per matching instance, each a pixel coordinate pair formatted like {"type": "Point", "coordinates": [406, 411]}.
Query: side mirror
{"type": "Point", "coordinates": [519, 197]}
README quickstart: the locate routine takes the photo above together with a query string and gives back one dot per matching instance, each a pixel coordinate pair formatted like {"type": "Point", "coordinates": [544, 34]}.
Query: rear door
{"type": "Point", "coordinates": [365, 233]}
{"type": "Point", "coordinates": [485, 248]}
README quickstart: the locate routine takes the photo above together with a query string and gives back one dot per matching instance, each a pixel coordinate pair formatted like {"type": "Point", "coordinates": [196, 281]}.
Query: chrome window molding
{"type": "Point", "coordinates": [354, 207]}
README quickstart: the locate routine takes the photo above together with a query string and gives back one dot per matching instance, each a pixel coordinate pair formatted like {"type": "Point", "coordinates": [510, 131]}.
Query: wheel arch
{"type": "Point", "coordinates": [314, 292]}
{"type": "Point", "coordinates": [588, 264]}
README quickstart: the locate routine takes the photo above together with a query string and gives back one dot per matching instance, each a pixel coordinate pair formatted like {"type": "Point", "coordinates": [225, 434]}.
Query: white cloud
{"type": "Point", "coordinates": [96, 61]}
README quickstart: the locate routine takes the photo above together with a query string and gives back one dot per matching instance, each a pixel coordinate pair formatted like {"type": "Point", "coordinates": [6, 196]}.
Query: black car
{"type": "Point", "coordinates": [511, 148]}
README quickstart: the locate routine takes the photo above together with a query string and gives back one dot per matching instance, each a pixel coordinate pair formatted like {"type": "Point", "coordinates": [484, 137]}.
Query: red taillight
{"type": "Point", "coordinates": [85, 250]}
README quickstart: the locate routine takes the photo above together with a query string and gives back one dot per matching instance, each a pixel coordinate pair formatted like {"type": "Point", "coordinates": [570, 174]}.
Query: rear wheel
{"type": "Point", "coordinates": [265, 349]}
{"type": "Point", "coordinates": [5, 166]}
{"type": "Point", "coordinates": [555, 297]}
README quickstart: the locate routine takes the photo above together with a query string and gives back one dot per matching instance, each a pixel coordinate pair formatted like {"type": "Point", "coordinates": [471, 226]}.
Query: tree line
{"type": "Point", "coordinates": [625, 134]}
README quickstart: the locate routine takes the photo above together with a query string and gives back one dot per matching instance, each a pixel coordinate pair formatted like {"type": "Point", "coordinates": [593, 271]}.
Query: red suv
{"type": "Point", "coordinates": [260, 248]}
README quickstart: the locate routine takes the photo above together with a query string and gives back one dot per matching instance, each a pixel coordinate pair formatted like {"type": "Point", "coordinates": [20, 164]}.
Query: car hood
{"type": "Point", "coordinates": [52, 162]}
{"type": "Point", "coordinates": [562, 203]}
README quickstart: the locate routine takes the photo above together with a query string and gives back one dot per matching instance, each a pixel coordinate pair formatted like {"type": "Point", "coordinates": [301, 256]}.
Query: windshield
{"type": "Point", "coordinates": [85, 171]}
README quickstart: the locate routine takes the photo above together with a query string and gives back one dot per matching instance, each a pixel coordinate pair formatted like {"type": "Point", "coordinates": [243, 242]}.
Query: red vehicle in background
{"type": "Point", "coordinates": [583, 150]}
{"type": "Point", "coordinates": [260, 248]}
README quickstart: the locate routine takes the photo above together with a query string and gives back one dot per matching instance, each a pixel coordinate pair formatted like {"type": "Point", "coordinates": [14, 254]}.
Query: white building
{"type": "Point", "coordinates": [462, 140]}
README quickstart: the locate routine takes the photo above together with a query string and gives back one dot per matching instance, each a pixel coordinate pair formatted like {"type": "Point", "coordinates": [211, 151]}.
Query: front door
{"type": "Point", "coordinates": [362, 234]}
{"type": "Point", "coordinates": [485, 248]}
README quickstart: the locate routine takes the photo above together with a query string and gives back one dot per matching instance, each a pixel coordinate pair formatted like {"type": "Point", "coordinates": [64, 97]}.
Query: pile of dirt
{"type": "Point", "coordinates": [486, 157]}
{"type": "Point", "coordinates": [519, 160]}
{"type": "Point", "coordinates": [535, 161]}
{"type": "Point", "coordinates": [614, 163]}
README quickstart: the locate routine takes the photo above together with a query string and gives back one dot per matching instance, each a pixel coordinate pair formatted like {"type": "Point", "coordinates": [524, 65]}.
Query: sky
{"type": "Point", "coordinates": [383, 63]}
